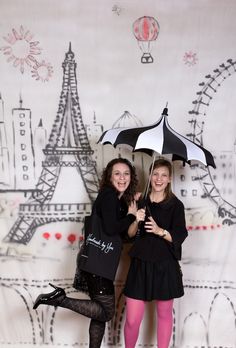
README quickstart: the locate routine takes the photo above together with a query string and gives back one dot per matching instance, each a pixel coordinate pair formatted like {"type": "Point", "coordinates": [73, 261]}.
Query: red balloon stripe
{"type": "Point", "coordinates": [146, 29]}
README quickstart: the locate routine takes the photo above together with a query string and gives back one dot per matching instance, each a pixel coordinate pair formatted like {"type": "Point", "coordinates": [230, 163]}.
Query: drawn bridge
{"type": "Point", "coordinates": [33, 215]}
{"type": "Point", "coordinates": [52, 212]}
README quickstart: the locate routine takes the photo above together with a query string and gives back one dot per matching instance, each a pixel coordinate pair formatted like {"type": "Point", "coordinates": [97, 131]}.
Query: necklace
{"type": "Point", "coordinates": [156, 199]}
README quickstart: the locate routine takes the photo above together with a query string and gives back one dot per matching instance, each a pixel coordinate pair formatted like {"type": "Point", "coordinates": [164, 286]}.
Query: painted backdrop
{"type": "Point", "coordinates": [70, 70]}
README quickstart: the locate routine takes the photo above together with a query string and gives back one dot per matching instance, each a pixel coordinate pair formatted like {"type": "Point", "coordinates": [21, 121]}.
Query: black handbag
{"type": "Point", "coordinates": [101, 252]}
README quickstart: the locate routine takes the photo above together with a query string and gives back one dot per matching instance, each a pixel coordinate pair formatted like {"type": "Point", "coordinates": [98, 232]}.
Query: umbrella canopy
{"type": "Point", "coordinates": [160, 138]}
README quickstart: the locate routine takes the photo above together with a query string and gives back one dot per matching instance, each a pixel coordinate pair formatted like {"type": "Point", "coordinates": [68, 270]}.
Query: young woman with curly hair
{"type": "Point", "coordinates": [115, 204]}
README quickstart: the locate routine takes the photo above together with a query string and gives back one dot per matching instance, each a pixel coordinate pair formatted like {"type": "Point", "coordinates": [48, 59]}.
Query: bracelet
{"type": "Point", "coordinates": [164, 234]}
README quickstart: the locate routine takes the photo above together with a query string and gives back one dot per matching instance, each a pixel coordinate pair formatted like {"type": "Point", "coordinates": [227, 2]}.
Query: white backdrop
{"type": "Point", "coordinates": [193, 69]}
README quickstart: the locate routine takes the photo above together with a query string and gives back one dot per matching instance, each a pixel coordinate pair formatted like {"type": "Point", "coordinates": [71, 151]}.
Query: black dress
{"type": "Point", "coordinates": [154, 272]}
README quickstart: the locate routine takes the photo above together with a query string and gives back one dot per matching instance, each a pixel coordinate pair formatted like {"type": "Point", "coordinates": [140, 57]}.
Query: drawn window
{"type": "Point", "coordinates": [183, 193]}
{"type": "Point", "coordinates": [24, 157]}
{"type": "Point", "coordinates": [25, 168]}
{"type": "Point", "coordinates": [182, 177]}
{"type": "Point", "coordinates": [22, 132]}
{"type": "Point", "coordinates": [194, 193]}
{"type": "Point", "coordinates": [22, 115]}
{"type": "Point", "coordinates": [22, 124]}
{"type": "Point", "coordinates": [25, 177]}
{"type": "Point", "coordinates": [22, 146]}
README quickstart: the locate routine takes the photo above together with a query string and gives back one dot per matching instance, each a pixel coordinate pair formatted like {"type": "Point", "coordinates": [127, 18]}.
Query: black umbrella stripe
{"type": "Point", "coordinates": [130, 136]}
{"type": "Point", "coordinates": [172, 144]}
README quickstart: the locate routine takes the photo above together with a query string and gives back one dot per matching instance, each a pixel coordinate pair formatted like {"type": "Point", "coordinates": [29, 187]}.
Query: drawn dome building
{"type": "Point", "coordinates": [139, 160]}
{"type": "Point", "coordinates": [127, 120]}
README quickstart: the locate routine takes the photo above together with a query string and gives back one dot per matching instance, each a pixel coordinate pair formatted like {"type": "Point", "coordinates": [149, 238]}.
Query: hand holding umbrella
{"type": "Point", "coordinates": [158, 138]}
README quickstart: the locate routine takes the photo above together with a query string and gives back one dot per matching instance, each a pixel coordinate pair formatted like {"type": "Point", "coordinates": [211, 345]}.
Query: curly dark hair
{"type": "Point", "coordinates": [106, 178]}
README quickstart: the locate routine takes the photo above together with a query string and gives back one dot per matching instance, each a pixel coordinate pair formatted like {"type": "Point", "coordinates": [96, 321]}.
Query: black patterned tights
{"type": "Point", "coordinates": [100, 309]}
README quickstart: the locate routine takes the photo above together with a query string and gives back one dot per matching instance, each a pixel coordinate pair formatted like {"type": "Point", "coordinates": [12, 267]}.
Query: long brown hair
{"type": "Point", "coordinates": [107, 173]}
{"type": "Point", "coordinates": [161, 162]}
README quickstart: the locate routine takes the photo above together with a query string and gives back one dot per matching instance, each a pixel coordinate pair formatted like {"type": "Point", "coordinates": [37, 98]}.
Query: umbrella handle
{"type": "Point", "coordinates": [149, 178]}
{"type": "Point", "coordinates": [138, 233]}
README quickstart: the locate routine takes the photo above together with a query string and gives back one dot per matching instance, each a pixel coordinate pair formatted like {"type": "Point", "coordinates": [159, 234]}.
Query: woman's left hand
{"type": "Point", "coordinates": [152, 227]}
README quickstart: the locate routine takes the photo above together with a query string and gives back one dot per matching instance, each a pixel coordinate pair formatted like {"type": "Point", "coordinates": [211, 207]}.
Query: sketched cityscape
{"type": "Point", "coordinates": [33, 163]}
{"type": "Point", "coordinates": [38, 163]}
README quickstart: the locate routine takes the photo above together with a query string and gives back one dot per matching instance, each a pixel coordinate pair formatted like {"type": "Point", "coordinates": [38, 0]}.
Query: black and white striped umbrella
{"type": "Point", "coordinates": [158, 138]}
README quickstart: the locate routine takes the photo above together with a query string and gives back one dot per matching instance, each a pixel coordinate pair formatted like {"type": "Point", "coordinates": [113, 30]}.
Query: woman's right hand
{"type": "Point", "coordinates": [140, 215]}
{"type": "Point", "coordinates": [132, 208]}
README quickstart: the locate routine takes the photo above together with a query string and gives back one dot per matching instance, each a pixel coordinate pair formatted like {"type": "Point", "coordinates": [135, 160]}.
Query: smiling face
{"type": "Point", "coordinates": [120, 177]}
{"type": "Point", "coordinates": [160, 179]}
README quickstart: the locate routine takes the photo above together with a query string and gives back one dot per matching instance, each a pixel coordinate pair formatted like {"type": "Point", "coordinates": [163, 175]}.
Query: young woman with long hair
{"type": "Point", "coordinates": [154, 273]}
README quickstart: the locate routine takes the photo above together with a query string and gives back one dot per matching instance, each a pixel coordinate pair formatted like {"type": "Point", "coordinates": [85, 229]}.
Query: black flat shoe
{"type": "Point", "coordinates": [53, 298]}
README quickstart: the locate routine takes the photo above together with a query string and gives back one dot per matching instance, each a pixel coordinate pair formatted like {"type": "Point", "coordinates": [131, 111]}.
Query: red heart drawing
{"type": "Point", "coordinates": [58, 235]}
{"type": "Point", "coordinates": [71, 238]}
{"type": "Point", "coordinates": [46, 235]}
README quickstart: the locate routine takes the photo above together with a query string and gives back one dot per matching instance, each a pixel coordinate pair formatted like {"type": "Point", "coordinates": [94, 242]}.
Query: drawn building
{"type": "Point", "coordinates": [226, 180]}
{"type": "Point", "coordinates": [23, 151]}
{"type": "Point", "coordinates": [139, 160]}
{"type": "Point", "coordinates": [4, 153]}
{"type": "Point", "coordinates": [94, 132]}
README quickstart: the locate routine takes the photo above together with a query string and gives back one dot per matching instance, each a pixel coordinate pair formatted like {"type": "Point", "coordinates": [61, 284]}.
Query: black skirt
{"type": "Point", "coordinates": [92, 284]}
{"type": "Point", "coordinates": [149, 281]}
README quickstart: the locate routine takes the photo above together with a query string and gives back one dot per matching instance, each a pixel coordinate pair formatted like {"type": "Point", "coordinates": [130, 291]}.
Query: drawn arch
{"type": "Point", "coordinates": [12, 307]}
{"type": "Point", "coordinates": [222, 311]}
{"type": "Point", "coordinates": [194, 331]}
{"type": "Point", "coordinates": [208, 217]}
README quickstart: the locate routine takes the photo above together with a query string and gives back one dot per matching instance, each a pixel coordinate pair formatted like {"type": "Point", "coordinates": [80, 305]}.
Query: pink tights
{"type": "Point", "coordinates": [134, 316]}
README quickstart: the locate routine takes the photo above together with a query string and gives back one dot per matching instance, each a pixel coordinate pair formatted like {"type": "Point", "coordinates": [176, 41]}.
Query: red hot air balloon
{"type": "Point", "coordinates": [146, 30]}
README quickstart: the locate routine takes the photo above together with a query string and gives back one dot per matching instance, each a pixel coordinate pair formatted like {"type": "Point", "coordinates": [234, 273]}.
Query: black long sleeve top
{"type": "Point", "coordinates": [113, 212]}
{"type": "Point", "coordinates": [170, 216]}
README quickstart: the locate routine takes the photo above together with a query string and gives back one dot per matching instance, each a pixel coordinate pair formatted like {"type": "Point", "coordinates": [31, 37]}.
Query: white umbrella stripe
{"type": "Point", "coordinates": [193, 151]}
{"type": "Point", "coordinates": [155, 138]}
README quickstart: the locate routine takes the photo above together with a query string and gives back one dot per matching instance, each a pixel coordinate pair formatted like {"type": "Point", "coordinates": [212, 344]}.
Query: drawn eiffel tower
{"type": "Point", "coordinates": [68, 146]}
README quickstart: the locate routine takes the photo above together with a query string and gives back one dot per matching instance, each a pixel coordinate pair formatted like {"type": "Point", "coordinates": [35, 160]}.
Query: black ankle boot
{"type": "Point", "coordinates": [53, 298]}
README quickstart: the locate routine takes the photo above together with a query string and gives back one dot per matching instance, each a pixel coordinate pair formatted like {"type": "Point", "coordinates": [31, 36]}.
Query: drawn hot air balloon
{"type": "Point", "coordinates": [146, 30]}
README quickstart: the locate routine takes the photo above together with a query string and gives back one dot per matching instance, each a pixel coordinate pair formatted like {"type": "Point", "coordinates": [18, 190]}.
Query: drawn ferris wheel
{"type": "Point", "coordinates": [199, 113]}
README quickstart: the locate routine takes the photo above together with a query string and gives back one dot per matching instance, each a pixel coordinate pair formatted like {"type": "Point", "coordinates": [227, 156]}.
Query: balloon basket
{"type": "Point", "coordinates": [147, 58]}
